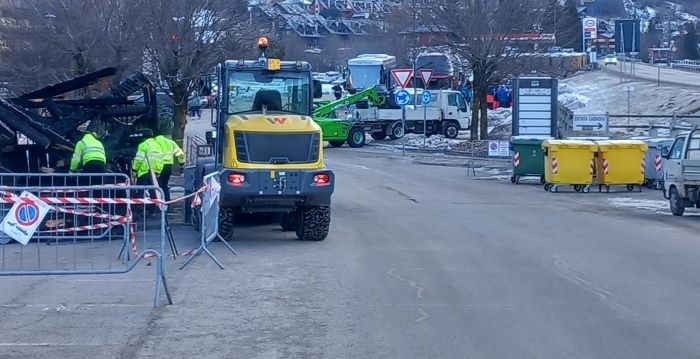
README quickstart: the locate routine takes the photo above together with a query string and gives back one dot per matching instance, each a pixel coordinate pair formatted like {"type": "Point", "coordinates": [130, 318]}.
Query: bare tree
{"type": "Point", "coordinates": [481, 31]}
{"type": "Point", "coordinates": [185, 40]}
{"type": "Point", "coordinates": [67, 38]}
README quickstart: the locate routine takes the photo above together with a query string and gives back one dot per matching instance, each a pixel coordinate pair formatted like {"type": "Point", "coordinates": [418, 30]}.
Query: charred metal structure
{"type": "Point", "coordinates": [40, 128]}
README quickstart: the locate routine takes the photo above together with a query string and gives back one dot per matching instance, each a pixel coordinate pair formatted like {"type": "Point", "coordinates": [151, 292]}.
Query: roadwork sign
{"type": "Point", "coordinates": [24, 218]}
{"type": "Point", "coordinates": [590, 123]}
{"type": "Point", "coordinates": [402, 76]}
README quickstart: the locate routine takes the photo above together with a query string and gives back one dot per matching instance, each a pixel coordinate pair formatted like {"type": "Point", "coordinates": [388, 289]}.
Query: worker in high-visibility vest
{"type": "Point", "coordinates": [89, 153]}
{"type": "Point", "coordinates": [170, 151]}
{"type": "Point", "coordinates": [148, 156]}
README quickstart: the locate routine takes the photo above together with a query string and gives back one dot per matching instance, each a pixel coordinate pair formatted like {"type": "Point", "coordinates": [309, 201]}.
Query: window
{"type": "Point", "coordinates": [291, 91]}
{"type": "Point", "coordinates": [453, 100]}
{"type": "Point", "coordinates": [677, 149]}
{"type": "Point", "coordinates": [694, 147]}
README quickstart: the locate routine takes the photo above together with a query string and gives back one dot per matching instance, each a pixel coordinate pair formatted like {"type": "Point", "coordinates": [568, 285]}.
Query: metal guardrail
{"type": "Point", "coordinates": [688, 65]}
{"type": "Point", "coordinates": [73, 230]}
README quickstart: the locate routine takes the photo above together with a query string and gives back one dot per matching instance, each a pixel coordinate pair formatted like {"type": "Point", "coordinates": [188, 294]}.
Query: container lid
{"type": "Point", "coordinates": [604, 145]}
{"type": "Point", "coordinates": [525, 140]}
{"type": "Point", "coordinates": [569, 144]}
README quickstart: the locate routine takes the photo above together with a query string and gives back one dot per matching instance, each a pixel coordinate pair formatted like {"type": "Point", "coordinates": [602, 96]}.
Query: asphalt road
{"type": "Point", "coordinates": [422, 262]}
{"type": "Point", "coordinates": [654, 73]}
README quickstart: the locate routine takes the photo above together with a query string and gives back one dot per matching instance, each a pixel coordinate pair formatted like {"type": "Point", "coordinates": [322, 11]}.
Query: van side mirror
{"type": "Point", "coordinates": [664, 152]}
{"type": "Point", "coordinates": [318, 89]}
{"type": "Point", "coordinates": [210, 136]}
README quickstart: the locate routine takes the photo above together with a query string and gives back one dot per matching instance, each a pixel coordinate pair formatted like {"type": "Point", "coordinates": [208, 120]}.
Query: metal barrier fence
{"type": "Point", "coordinates": [210, 220]}
{"type": "Point", "coordinates": [62, 179]}
{"type": "Point", "coordinates": [71, 230]}
{"type": "Point", "coordinates": [688, 65]}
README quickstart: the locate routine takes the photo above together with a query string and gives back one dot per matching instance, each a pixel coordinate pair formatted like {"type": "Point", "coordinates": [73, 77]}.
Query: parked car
{"type": "Point", "coordinates": [610, 60]}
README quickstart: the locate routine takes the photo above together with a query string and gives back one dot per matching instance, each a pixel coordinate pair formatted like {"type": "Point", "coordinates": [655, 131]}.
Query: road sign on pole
{"type": "Point", "coordinates": [402, 76]}
{"type": "Point", "coordinates": [402, 98]}
{"type": "Point", "coordinates": [426, 75]}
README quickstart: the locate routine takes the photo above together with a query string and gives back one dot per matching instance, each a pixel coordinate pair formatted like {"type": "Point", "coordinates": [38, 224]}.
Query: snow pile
{"type": "Point", "coordinates": [500, 122]}
{"type": "Point", "coordinates": [646, 204]}
{"type": "Point", "coordinates": [435, 142]}
{"type": "Point", "coordinates": [573, 101]}
{"type": "Point", "coordinates": [688, 17]}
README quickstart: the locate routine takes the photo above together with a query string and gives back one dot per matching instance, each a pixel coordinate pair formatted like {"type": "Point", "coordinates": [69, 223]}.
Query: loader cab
{"type": "Point", "coordinates": [282, 92]}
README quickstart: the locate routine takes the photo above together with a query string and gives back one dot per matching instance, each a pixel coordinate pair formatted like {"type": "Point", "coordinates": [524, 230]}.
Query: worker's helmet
{"type": "Point", "coordinates": [84, 127]}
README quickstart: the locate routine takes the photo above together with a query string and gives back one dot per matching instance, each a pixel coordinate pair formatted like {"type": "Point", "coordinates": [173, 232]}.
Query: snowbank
{"type": "Point", "coordinates": [435, 142]}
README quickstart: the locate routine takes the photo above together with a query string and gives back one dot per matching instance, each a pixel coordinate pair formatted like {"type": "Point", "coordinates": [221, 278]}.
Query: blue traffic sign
{"type": "Point", "coordinates": [427, 98]}
{"type": "Point", "coordinates": [402, 98]}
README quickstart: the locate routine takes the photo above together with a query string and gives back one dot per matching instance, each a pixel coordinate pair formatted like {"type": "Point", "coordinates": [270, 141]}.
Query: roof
{"type": "Point", "coordinates": [285, 65]}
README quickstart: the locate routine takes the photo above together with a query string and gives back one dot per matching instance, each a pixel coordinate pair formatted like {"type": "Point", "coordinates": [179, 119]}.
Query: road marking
{"type": "Point", "coordinates": [413, 284]}
{"type": "Point", "coordinates": [423, 317]}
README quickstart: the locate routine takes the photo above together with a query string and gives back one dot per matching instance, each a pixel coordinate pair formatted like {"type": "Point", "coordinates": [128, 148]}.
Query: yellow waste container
{"type": "Point", "coordinates": [621, 162]}
{"type": "Point", "coordinates": [568, 162]}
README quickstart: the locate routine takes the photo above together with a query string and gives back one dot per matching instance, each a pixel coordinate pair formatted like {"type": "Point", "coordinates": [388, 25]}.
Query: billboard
{"type": "Point", "coordinates": [535, 106]}
{"type": "Point", "coordinates": [590, 28]}
{"type": "Point", "coordinates": [627, 35]}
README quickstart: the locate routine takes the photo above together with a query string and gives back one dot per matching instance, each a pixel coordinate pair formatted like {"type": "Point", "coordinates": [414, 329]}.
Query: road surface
{"type": "Point", "coordinates": [421, 262]}
{"type": "Point", "coordinates": [654, 73]}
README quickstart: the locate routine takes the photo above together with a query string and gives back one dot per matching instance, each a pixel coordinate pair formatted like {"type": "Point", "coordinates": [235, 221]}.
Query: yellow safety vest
{"type": "Point", "coordinates": [170, 150]}
{"type": "Point", "coordinates": [88, 149]}
{"type": "Point", "coordinates": [148, 148]}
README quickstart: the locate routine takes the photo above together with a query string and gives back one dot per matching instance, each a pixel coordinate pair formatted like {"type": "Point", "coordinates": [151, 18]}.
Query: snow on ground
{"type": "Point", "coordinates": [655, 206]}
{"type": "Point", "coordinates": [601, 91]}
{"type": "Point", "coordinates": [436, 142]}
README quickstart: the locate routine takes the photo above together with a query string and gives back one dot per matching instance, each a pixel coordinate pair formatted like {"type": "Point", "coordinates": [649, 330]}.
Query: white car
{"type": "Point", "coordinates": [610, 60]}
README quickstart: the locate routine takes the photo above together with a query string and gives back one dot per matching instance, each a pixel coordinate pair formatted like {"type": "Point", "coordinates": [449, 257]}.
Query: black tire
{"type": "Point", "coordinates": [630, 187]}
{"type": "Point", "coordinates": [313, 223]}
{"type": "Point", "coordinates": [676, 203]}
{"type": "Point", "coordinates": [578, 187]}
{"type": "Point", "coordinates": [197, 218]}
{"type": "Point", "coordinates": [450, 130]}
{"type": "Point", "coordinates": [512, 179]}
{"type": "Point", "coordinates": [586, 189]}
{"type": "Point", "coordinates": [356, 137]}
{"type": "Point", "coordinates": [337, 143]}
{"type": "Point", "coordinates": [227, 219]}
{"type": "Point", "coordinates": [547, 186]}
{"type": "Point", "coordinates": [288, 222]}
{"type": "Point", "coordinates": [379, 135]}
{"type": "Point", "coordinates": [396, 130]}
{"type": "Point", "coordinates": [543, 180]}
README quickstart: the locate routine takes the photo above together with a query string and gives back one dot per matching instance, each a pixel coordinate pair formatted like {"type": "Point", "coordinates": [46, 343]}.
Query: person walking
{"type": "Point", "coordinates": [170, 151]}
{"type": "Point", "coordinates": [337, 91]}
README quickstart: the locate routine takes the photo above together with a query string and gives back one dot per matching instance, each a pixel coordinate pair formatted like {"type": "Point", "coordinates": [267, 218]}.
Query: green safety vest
{"type": "Point", "coordinates": [170, 150]}
{"type": "Point", "coordinates": [88, 149]}
{"type": "Point", "coordinates": [151, 149]}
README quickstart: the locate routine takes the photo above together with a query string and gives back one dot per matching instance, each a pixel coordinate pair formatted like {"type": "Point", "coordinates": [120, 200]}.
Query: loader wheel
{"type": "Point", "coordinates": [676, 203]}
{"type": "Point", "coordinates": [197, 218]}
{"type": "Point", "coordinates": [314, 223]}
{"type": "Point", "coordinates": [337, 143]}
{"type": "Point", "coordinates": [396, 130]}
{"type": "Point", "coordinates": [288, 222]}
{"type": "Point", "coordinates": [378, 136]}
{"type": "Point", "coordinates": [227, 218]}
{"type": "Point", "coordinates": [356, 137]}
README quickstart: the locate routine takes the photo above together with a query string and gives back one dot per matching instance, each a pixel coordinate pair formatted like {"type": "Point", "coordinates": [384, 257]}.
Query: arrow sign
{"type": "Point", "coordinates": [426, 75]}
{"type": "Point", "coordinates": [590, 122]}
{"type": "Point", "coordinates": [402, 76]}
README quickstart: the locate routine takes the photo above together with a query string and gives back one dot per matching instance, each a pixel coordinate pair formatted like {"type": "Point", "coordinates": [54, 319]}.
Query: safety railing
{"type": "Point", "coordinates": [208, 212]}
{"type": "Point", "coordinates": [73, 230]}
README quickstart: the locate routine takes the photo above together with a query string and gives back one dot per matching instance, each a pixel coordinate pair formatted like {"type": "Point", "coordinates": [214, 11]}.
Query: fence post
{"type": "Point", "coordinates": [672, 127]}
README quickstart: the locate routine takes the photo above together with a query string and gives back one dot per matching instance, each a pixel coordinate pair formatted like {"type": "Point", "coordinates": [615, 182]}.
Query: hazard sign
{"type": "Point", "coordinates": [402, 76]}
{"type": "Point", "coordinates": [24, 218]}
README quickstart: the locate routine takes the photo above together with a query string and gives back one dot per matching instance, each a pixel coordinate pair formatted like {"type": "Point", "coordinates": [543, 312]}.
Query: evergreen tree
{"type": "Point", "coordinates": [563, 21]}
{"type": "Point", "coordinates": [689, 45]}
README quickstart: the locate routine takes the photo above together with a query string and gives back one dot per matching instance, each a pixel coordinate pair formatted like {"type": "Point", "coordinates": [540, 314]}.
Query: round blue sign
{"type": "Point", "coordinates": [27, 214]}
{"type": "Point", "coordinates": [402, 98]}
{"type": "Point", "coordinates": [427, 98]}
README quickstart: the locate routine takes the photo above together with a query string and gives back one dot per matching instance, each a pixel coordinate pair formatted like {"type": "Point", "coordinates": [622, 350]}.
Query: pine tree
{"type": "Point", "coordinates": [563, 21]}
{"type": "Point", "coordinates": [690, 42]}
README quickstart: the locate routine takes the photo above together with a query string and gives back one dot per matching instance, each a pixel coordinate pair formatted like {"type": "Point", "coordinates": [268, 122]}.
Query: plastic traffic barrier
{"type": "Point", "coordinates": [654, 176]}
{"type": "Point", "coordinates": [621, 162]}
{"type": "Point", "coordinates": [528, 158]}
{"type": "Point", "coordinates": [568, 162]}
